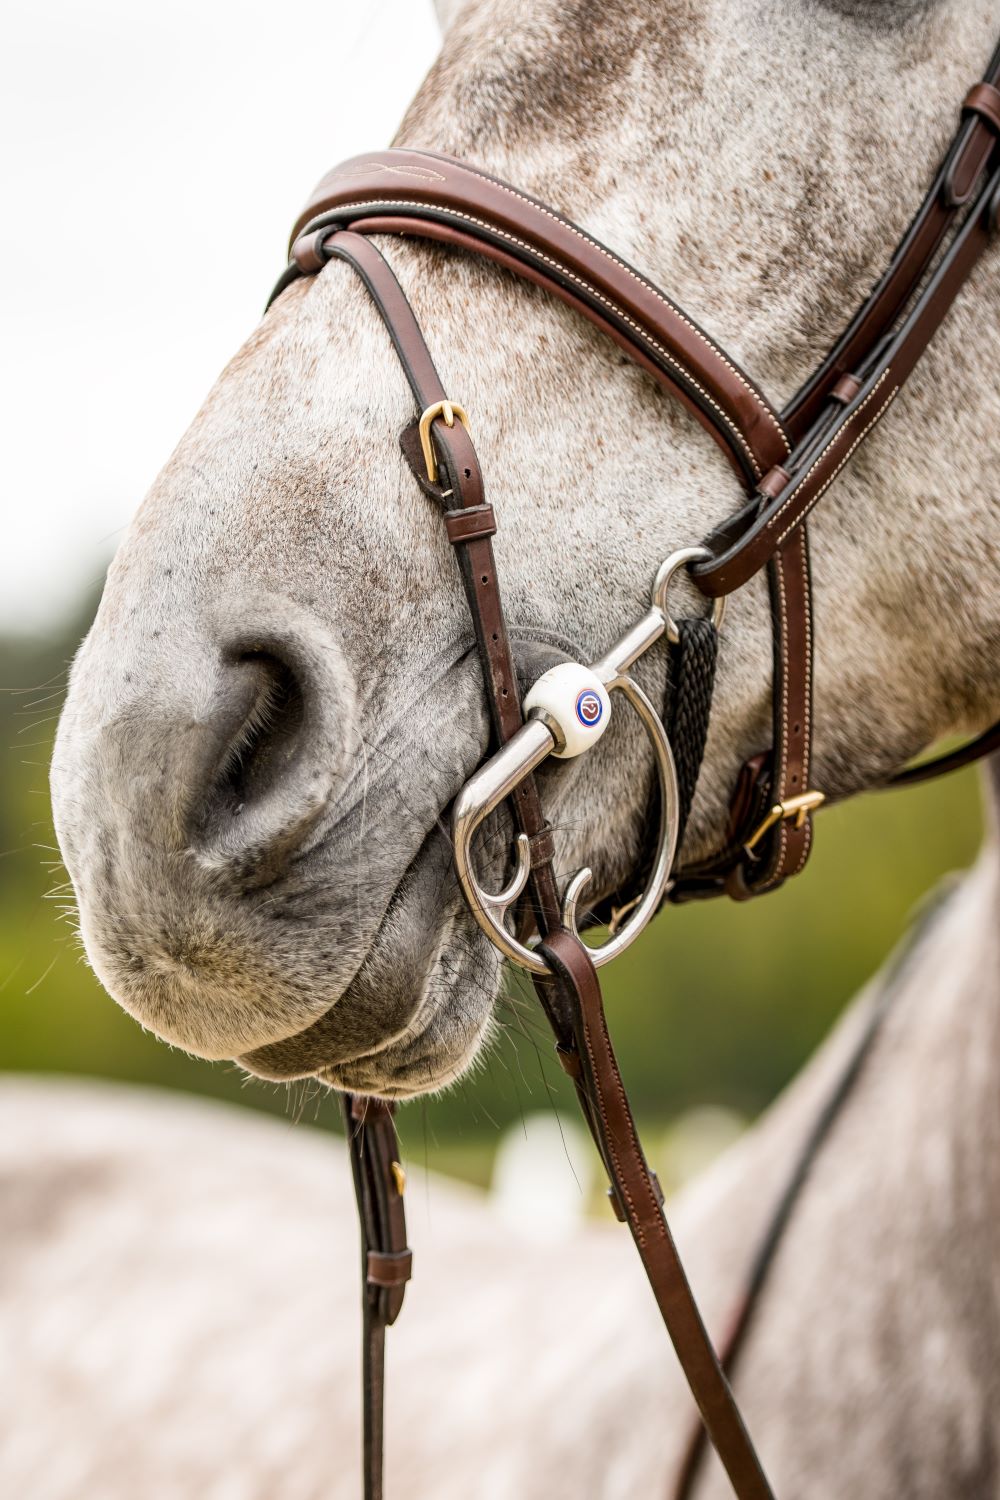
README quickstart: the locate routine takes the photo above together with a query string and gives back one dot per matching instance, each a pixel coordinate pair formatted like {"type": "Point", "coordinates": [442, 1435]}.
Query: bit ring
{"type": "Point", "coordinates": [661, 584]}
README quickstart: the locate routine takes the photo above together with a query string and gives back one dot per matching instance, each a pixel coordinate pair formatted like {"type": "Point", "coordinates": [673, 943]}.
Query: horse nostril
{"type": "Point", "coordinates": [267, 741]}
{"type": "Point", "coordinates": [246, 795]}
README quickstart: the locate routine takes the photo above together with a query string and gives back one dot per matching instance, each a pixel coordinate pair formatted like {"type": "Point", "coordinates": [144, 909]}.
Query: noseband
{"type": "Point", "coordinates": [785, 463]}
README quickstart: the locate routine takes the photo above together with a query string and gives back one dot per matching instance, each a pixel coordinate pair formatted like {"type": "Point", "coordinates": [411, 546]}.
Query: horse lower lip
{"type": "Point", "coordinates": [335, 1038]}
{"type": "Point", "coordinates": [320, 1045]}
{"type": "Point", "coordinates": [294, 1058]}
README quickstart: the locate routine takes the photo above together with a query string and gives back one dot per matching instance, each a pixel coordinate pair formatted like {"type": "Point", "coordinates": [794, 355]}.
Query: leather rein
{"type": "Point", "coordinates": [785, 461]}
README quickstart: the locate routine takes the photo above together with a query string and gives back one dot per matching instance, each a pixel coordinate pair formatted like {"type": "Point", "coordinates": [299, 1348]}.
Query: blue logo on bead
{"type": "Point", "coordinates": [589, 708]}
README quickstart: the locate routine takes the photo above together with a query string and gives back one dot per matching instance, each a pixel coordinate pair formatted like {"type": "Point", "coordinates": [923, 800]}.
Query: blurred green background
{"type": "Point", "coordinates": [720, 1003]}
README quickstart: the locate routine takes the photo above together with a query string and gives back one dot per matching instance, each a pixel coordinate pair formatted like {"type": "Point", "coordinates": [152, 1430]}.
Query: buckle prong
{"type": "Point", "coordinates": [796, 809]}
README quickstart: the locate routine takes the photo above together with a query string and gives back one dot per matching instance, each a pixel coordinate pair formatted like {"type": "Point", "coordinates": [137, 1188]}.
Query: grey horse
{"type": "Point", "coordinates": [278, 696]}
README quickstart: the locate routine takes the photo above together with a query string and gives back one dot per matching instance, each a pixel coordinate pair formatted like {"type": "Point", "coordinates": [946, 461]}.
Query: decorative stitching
{"type": "Point", "coordinates": [806, 707]}
{"type": "Point", "coordinates": [722, 576]}
{"type": "Point", "coordinates": [615, 307]}
{"type": "Point", "coordinates": [783, 602]}
{"type": "Point", "coordinates": [801, 478]}
{"type": "Point", "coordinates": [847, 456]}
{"type": "Point", "coordinates": [641, 280]}
{"type": "Point", "coordinates": [595, 244]}
{"type": "Point", "coordinates": [780, 788]}
{"type": "Point", "coordinates": [384, 166]}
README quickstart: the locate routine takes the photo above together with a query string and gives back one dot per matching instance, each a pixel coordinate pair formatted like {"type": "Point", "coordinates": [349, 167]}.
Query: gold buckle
{"type": "Point", "coordinates": [448, 410]}
{"type": "Point", "coordinates": [798, 808]}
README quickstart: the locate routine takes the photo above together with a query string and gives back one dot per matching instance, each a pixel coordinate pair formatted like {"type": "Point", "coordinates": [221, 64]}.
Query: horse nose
{"type": "Point", "coordinates": [222, 741]}
{"type": "Point", "coordinates": [274, 744]}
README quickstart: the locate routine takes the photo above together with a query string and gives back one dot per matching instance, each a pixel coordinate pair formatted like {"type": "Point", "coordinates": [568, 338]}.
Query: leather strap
{"type": "Point", "coordinates": [987, 743]}
{"type": "Point", "coordinates": [386, 1261]}
{"type": "Point", "coordinates": [433, 196]}
{"type": "Point", "coordinates": [745, 543]}
{"type": "Point", "coordinates": [785, 852]}
{"type": "Point", "coordinates": [469, 521]}
{"type": "Point", "coordinates": [951, 190]}
{"type": "Point", "coordinates": [589, 1058]}
{"type": "Point", "coordinates": [743, 868]}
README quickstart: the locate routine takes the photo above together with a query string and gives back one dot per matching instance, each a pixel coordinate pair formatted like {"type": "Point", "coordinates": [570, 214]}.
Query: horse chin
{"type": "Point", "coordinates": [450, 1021]}
{"type": "Point", "coordinates": [416, 1012]}
{"type": "Point", "coordinates": [452, 1024]}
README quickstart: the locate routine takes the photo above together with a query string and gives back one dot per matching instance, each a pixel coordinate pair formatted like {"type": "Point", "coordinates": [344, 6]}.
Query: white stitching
{"type": "Point", "coordinates": [806, 727]}
{"type": "Point", "coordinates": [783, 765]}
{"type": "Point", "coordinates": [648, 285]}
{"type": "Point", "coordinates": [782, 768]}
{"type": "Point", "coordinates": [595, 244]}
{"type": "Point", "coordinates": [723, 577]}
{"type": "Point", "coordinates": [616, 309]}
{"type": "Point", "coordinates": [847, 456]}
{"type": "Point", "coordinates": [801, 478]}
{"type": "Point", "coordinates": [806, 718]}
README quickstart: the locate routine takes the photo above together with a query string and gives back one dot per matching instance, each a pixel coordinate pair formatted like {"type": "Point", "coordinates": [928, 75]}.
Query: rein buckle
{"type": "Point", "coordinates": [797, 808]}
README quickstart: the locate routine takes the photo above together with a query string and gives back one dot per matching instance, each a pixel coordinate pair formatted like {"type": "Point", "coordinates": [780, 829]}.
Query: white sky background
{"type": "Point", "coordinates": [154, 157]}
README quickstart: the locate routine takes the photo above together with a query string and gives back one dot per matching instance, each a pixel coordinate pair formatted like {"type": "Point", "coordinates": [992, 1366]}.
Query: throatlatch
{"type": "Point", "coordinates": [786, 463]}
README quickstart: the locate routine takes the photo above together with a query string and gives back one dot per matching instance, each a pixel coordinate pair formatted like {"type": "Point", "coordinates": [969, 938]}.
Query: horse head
{"type": "Point", "coordinates": [280, 696]}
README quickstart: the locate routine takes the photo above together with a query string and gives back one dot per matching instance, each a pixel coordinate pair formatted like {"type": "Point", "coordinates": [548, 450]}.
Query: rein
{"type": "Point", "coordinates": [786, 462]}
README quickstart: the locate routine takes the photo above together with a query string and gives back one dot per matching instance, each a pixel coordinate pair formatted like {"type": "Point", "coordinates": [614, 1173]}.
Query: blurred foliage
{"type": "Point", "coordinates": [719, 1003]}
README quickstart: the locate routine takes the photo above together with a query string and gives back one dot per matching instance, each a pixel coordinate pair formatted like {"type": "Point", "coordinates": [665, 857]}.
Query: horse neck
{"type": "Point", "coordinates": [941, 1061]}
{"type": "Point", "coordinates": [928, 1091]}
{"type": "Point", "coordinates": [913, 1161]}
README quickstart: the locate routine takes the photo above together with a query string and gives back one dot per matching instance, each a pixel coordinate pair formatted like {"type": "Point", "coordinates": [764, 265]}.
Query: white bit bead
{"type": "Point", "coordinates": [574, 700]}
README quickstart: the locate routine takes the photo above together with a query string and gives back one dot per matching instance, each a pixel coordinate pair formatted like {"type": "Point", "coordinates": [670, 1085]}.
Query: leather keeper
{"type": "Point", "coordinates": [980, 112]}
{"type": "Point", "coordinates": [749, 797]}
{"type": "Point", "coordinates": [469, 523]}
{"type": "Point", "coordinates": [412, 451]}
{"type": "Point", "coordinates": [541, 847]}
{"type": "Point", "coordinates": [308, 253]}
{"type": "Point", "coordinates": [389, 1267]}
{"type": "Point", "coordinates": [616, 1202]}
{"type": "Point", "coordinates": [846, 389]}
{"type": "Point", "coordinates": [569, 1060]}
{"type": "Point", "coordinates": [774, 482]}
{"type": "Point", "coordinates": [984, 100]}
{"type": "Point", "coordinates": [737, 887]}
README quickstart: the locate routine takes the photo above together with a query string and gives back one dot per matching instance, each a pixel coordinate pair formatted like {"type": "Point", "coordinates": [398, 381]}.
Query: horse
{"type": "Point", "coordinates": [278, 698]}
{"type": "Point", "coordinates": [180, 1309]}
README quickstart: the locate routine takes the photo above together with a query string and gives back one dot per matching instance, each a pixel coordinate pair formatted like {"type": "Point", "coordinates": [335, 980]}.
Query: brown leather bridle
{"type": "Point", "coordinates": [785, 462]}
